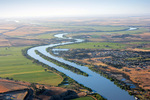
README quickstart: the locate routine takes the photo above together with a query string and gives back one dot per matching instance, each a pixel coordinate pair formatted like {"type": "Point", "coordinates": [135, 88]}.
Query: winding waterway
{"type": "Point", "coordinates": [95, 81]}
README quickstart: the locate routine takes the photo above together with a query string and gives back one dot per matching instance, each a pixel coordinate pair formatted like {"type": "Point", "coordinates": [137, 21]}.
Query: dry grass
{"type": "Point", "coordinates": [29, 30]}
{"type": "Point", "coordinates": [126, 21]}
{"type": "Point", "coordinates": [145, 35]}
{"type": "Point", "coordinates": [96, 40]}
{"type": "Point", "coordinates": [22, 42]}
{"type": "Point", "coordinates": [18, 42]}
{"type": "Point", "coordinates": [141, 77]}
{"type": "Point", "coordinates": [9, 85]}
{"type": "Point", "coordinates": [3, 89]}
{"type": "Point", "coordinates": [4, 42]}
{"type": "Point", "coordinates": [2, 31]}
{"type": "Point", "coordinates": [7, 27]}
{"type": "Point", "coordinates": [137, 49]}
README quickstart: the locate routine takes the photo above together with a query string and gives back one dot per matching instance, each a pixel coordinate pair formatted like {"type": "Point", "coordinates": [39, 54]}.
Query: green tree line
{"type": "Point", "coordinates": [66, 66]}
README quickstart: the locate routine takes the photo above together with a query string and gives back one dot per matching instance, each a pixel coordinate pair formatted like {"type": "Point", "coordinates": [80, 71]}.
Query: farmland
{"type": "Point", "coordinates": [15, 65]}
{"type": "Point", "coordinates": [95, 45]}
{"type": "Point", "coordinates": [98, 33]}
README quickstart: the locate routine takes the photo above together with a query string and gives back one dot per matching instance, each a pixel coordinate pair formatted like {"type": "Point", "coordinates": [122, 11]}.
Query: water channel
{"type": "Point", "coordinates": [96, 82]}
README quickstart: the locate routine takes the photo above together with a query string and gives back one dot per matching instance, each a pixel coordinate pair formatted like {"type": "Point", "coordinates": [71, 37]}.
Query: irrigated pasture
{"type": "Point", "coordinates": [84, 98]}
{"type": "Point", "coordinates": [14, 65]}
{"type": "Point", "coordinates": [95, 45]}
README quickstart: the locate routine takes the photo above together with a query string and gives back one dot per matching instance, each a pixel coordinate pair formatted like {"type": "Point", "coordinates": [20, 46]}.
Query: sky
{"type": "Point", "coordinates": [71, 8]}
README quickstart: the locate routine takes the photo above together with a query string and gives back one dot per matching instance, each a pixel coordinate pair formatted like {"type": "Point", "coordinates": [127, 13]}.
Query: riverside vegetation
{"type": "Point", "coordinates": [72, 84]}
{"type": "Point", "coordinates": [13, 36]}
{"type": "Point", "coordinates": [110, 64]}
{"type": "Point", "coordinates": [66, 66]}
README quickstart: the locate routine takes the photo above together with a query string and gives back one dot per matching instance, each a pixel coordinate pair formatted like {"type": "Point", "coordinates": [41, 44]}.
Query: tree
{"type": "Point", "coordinates": [45, 70]}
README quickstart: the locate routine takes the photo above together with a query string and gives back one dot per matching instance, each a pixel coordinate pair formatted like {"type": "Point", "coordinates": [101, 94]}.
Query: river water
{"type": "Point", "coordinates": [96, 82]}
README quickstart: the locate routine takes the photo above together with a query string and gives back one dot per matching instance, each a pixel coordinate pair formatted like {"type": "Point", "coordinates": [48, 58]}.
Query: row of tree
{"type": "Point", "coordinates": [66, 66]}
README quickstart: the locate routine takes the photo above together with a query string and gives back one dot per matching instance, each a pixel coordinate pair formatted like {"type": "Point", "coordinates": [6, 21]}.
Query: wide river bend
{"type": "Point", "coordinates": [95, 81]}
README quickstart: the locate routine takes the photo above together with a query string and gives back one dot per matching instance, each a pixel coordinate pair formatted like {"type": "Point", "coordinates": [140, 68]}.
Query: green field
{"type": "Point", "coordinates": [95, 45]}
{"type": "Point", "coordinates": [76, 28]}
{"type": "Point", "coordinates": [97, 27]}
{"type": "Point", "coordinates": [110, 28]}
{"type": "Point", "coordinates": [84, 27]}
{"type": "Point", "coordinates": [84, 98]}
{"type": "Point", "coordinates": [138, 31]}
{"type": "Point", "coordinates": [14, 65]}
{"type": "Point", "coordinates": [139, 42]}
{"type": "Point", "coordinates": [45, 36]}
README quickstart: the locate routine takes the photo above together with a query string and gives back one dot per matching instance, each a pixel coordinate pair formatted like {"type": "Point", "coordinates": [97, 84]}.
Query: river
{"type": "Point", "coordinates": [95, 81]}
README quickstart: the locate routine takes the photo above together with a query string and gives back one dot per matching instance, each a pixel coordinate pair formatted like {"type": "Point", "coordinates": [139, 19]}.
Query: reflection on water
{"type": "Point", "coordinates": [132, 29]}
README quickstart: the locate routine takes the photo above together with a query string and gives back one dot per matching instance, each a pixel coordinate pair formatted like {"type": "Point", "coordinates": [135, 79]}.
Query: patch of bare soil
{"type": "Point", "coordinates": [18, 90]}
{"type": "Point", "coordinates": [23, 42]}
{"type": "Point", "coordinates": [7, 26]}
{"type": "Point", "coordinates": [1, 30]}
{"type": "Point", "coordinates": [16, 95]}
{"type": "Point", "coordinates": [4, 42]}
{"type": "Point", "coordinates": [139, 76]}
{"type": "Point", "coordinates": [137, 49]}
{"type": "Point", "coordinates": [29, 30]}
{"type": "Point", "coordinates": [145, 35]}
{"type": "Point", "coordinates": [18, 42]}
{"type": "Point", "coordinates": [9, 85]}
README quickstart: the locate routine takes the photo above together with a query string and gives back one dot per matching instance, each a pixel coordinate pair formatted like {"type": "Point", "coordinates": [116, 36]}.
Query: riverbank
{"type": "Point", "coordinates": [71, 84]}
{"type": "Point", "coordinates": [114, 69]}
{"type": "Point", "coordinates": [94, 81]}
{"type": "Point", "coordinates": [75, 70]}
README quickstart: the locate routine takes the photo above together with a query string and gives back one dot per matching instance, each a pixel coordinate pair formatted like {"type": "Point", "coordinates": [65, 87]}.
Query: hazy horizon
{"type": "Point", "coordinates": [68, 8]}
